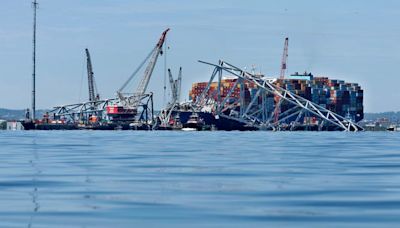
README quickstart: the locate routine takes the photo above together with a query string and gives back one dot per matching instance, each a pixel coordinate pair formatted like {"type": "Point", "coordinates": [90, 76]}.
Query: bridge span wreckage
{"type": "Point", "coordinates": [254, 113]}
{"type": "Point", "coordinates": [268, 107]}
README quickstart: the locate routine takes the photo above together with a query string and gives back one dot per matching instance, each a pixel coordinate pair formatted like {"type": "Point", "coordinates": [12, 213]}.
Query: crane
{"type": "Point", "coordinates": [93, 95]}
{"type": "Point", "coordinates": [284, 59]}
{"type": "Point", "coordinates": [175, 86]}
{"type": "Point", "coordinates": [133, 101]}
{"type": "Point", "coordinates": [175, 92]}
{"type": "Point", "coordinates": [179, 85]}
{"type": "Point", "coordinates": [282, 76]}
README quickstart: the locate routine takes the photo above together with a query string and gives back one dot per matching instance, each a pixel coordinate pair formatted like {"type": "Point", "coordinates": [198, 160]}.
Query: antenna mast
{"type": "Point", "coordinates": [35, 6]}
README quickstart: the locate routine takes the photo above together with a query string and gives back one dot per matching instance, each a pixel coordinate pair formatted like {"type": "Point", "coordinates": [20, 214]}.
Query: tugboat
{"type": "Point", "coordinates": [194, 123]}
{"type": "Point", "coordinates": [392, 128]}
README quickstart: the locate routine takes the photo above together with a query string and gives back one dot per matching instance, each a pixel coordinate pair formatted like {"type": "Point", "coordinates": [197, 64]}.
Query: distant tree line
{"type": "Point", "coordinates": [3, 125]}
{"type": "Point", "coordinates": [12, 114]}
{"type": "Point", "coordinates": [392, 116]}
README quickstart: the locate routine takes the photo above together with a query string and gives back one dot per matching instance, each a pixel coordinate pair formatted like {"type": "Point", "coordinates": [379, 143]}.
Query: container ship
{"type": "Point", "coordinates": [338, 96]}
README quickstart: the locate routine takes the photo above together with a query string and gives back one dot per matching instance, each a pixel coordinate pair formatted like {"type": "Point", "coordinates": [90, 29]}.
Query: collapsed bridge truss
{"type": "Point", "coordinates": [81, 112]}
{"type": "Point", "coordinates": [255, 112]}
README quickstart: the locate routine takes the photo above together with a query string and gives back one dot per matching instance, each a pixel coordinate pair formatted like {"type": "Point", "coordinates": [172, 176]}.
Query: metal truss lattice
{"type": "Point", "coordinates": [294, 109]}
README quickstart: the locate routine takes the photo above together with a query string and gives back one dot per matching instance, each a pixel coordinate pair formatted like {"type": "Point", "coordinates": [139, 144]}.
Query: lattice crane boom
{"type": "Point", "coordinates": [91, 84]}
{"type": "Point", "coordinates": [141, 89]}
{"type": "Point", "coordinates": [284, 59]}
{"type": "Point", "coordinates": [179, 85]}
{"type": "Point", "coordinates": [133, 101]}
{"type": "Point", "coordinates": [173, 86]}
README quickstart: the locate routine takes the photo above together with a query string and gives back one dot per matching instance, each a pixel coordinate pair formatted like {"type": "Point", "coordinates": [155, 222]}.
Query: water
{"type": "Point", "coordinates": [199, 179]}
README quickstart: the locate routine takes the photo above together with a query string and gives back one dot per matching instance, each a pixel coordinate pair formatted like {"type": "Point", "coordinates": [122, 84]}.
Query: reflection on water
{"type": "Point", "coordinates": [88, 183]}
{"type": "Point", "coordinates": [36, 172]}
{"type": "Point", "coordinates": [199, 179]}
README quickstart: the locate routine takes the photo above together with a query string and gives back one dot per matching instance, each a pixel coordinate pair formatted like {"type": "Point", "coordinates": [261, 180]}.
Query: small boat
{"type": "Point", "coordinates": [391, 128]}
{"type": "Point", "coordinates": [189, 129]}
{"type": "Point", "coordinates": [195, 123]}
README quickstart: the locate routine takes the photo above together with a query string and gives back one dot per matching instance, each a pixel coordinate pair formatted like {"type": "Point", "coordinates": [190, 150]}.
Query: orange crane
{"type": "Point", "coordinates": [282, 76]}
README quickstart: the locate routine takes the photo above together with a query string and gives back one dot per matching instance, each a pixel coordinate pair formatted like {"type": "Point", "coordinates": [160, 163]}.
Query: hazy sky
{"type": "Point", "coordinates": [353, 40]}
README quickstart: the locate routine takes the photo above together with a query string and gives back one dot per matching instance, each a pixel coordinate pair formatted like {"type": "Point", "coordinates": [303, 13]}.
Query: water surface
{"type": "Point", "coordinates": [199, 179]}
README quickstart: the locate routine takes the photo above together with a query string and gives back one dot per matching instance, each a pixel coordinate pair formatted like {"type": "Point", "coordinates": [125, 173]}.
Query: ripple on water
{"type": "Point", "coordinates": [199, 179]}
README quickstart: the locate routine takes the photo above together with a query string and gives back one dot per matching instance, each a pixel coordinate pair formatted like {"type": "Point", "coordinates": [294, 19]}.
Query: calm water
{"type": "Point", "coordinates": [199, 179]}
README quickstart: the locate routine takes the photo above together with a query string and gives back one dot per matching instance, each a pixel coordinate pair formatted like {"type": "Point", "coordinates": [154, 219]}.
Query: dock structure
{"type": "Point", "coordinates": [255, 112]}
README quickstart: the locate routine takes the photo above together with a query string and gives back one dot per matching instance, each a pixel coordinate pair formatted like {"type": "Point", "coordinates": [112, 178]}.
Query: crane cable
{"type": "Point", "coordinates": [165, 71]}
{"type": "Point", "coordinates": [81, 84]}
{"type": "Point", "coordinates": [136, 71]}
{"type": "Point", "coordinates": [96, 91]}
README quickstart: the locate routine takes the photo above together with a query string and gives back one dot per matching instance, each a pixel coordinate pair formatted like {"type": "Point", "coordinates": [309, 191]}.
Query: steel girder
{"type": "Point", "coordinates": [81, 111]}
{"type": "Point", "coordinates": [255, 113]}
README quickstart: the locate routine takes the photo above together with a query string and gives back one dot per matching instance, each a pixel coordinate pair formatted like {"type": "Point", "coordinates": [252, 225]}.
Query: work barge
{"type": "Point", "coordinates": [250, 102]}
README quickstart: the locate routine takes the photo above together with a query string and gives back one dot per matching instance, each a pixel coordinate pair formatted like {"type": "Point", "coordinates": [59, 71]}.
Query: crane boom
{"type": "Point", "coordinates": [179, 85]}
{"type": "Point", "coordinates": [284, 59]}
{"type": "Point", "coordinates": [133, 101]}
{"type": "Point", "coordinates": [277, 110]}
{"type": "Point", "coordinates": [92, 96]}
{"type": "Point", "coordinates": [173, 86]}
{"type": "Point", "coordinates": [141, 89]}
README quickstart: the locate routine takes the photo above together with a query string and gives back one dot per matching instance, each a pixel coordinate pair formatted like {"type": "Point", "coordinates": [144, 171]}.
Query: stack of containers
{"type": "Point", "coordinates": [345, 99]}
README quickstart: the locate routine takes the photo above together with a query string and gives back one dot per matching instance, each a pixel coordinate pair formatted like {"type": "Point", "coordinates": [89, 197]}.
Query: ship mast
{"type": "Point", "coordinates": [35, 6]}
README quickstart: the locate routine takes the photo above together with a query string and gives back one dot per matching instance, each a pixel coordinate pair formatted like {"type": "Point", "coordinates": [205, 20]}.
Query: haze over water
{"type": "Point", "coordinates": [199, 179]}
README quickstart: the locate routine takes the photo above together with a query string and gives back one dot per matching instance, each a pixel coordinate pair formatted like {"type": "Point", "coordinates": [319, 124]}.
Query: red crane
{"type": "Point", "coordinates": [282, 76]}
{"type": "Point", "coordinates": [284, 58]}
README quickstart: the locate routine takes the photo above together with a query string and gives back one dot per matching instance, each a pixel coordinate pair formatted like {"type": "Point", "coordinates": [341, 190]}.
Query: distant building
{"type": "Point", "coordinates": [14, 126]}
{"type": "Point", "coordinates": [3, 124]}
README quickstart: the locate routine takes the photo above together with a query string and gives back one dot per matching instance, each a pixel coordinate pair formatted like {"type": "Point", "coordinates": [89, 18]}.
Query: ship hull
{"type": "Point", "coordinates": [48, 126]}
{"type": "Point", "coordinates": [221, 123]}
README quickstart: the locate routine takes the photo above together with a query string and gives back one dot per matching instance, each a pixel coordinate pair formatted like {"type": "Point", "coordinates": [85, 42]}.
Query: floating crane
{"type": "Point", "coordinates": [118, 113]}
{"type": "Point", "coordinates": [93, 94]}
{"type": "Point", "coordinates": [132, 102]}
{"type": "Point", "coordinates": [125, 109]}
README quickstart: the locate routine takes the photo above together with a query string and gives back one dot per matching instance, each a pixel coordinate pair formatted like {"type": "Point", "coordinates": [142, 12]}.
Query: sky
{"type": "Point", "coordinates": [352, 40]}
